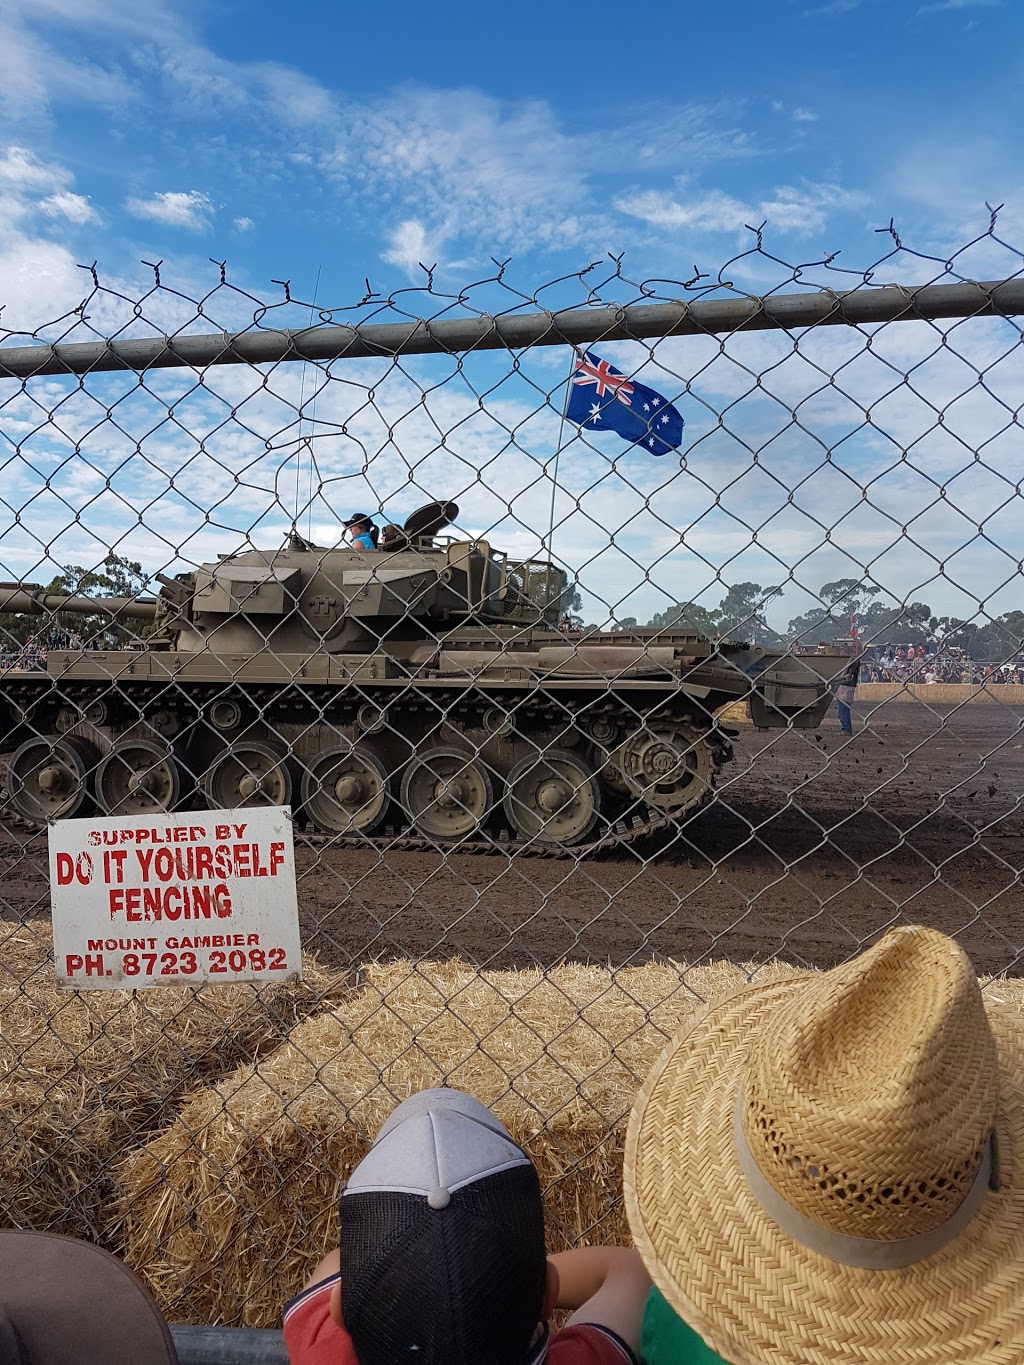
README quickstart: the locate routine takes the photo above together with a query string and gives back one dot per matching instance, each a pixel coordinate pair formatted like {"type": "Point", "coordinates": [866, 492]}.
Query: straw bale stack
{"type": "Point", "coordinates": [736, 713]}
{"type": "Point", "coordinates": [83, 1076]}
{"type": "Point", "coordinates": [1010, 694]}
{"type": "Point", "coordinates": [229, 1209]}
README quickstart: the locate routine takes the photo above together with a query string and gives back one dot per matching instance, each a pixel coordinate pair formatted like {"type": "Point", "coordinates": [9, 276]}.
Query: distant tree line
{"type": "Point", "coordinates": [115, 577]}
{"type": "Point", "coordinates": [913, 623]}
{"type": "Point", "coordinates": [741, 615]}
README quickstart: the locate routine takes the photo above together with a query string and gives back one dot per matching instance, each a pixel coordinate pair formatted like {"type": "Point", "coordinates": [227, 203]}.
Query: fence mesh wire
{"type": "Point", "coordinates": [561, 751]}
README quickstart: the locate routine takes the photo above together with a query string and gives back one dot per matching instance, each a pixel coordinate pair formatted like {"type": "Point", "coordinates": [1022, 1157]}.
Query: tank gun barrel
{"type": "Point", "coordinates": [31, 599]}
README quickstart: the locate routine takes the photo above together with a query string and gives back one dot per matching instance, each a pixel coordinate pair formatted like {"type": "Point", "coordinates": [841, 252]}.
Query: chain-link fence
{"type": "Point", "coordinates": [557, 731]}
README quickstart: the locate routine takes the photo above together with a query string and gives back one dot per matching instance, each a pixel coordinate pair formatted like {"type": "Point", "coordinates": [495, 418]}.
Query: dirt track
{"type": "Point", "coordinates": [812, 847]}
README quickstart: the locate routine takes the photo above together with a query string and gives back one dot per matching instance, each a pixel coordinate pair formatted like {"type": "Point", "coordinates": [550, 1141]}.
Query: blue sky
{"type": "Point", "coordinates": [328, 144]}
{"type": "Point", "coordinates": [343, 138]}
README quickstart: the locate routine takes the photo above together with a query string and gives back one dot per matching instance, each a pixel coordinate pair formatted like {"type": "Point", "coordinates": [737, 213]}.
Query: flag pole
{"type": "Point", "coordinates": [558, 451]}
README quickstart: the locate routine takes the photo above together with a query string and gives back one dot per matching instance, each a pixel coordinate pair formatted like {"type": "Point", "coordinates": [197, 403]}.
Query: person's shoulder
{"type": "Point", "coordinates": [311, 1335]}
{"type": "Point", "coordinates": [588, 1343]}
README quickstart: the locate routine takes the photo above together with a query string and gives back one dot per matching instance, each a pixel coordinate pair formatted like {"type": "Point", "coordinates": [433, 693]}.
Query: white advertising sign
{"type": "Point", "coordinates": [174, 900]}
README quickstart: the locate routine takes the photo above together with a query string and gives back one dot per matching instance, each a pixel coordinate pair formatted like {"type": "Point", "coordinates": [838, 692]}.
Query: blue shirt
{"type": "Point", "coordinates": [363, 541]}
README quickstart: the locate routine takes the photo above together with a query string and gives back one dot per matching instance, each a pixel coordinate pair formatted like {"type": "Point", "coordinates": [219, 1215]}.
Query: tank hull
{"type": "Point", "coordinates": [535, 742]}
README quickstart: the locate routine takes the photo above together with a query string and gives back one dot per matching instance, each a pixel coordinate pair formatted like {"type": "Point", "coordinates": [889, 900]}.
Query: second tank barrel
{"type": "Point", "coordinates": [33, 600]}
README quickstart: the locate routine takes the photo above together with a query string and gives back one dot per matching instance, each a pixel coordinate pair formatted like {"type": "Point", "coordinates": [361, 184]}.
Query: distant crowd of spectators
{"type": "Point", "coordinates": [32, 654]}
{"type": "Point", "coordinates": [914, 663]}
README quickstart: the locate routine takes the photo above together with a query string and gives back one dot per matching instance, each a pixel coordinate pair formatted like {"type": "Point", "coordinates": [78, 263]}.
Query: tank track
{"type": "Point", "coordinates": [621, 832]}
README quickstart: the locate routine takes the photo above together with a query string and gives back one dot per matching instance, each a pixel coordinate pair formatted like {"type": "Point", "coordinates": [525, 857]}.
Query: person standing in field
{"type": "Point", "coordinates": [845, 688]}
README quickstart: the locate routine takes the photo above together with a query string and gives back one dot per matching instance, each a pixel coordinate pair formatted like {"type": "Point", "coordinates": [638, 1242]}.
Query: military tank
{"type": "Point", "coordinates": [420, 694]}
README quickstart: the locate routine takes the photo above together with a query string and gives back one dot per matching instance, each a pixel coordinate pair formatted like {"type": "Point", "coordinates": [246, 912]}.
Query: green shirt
{"type": "Point", "coordinates": [666, 1339]}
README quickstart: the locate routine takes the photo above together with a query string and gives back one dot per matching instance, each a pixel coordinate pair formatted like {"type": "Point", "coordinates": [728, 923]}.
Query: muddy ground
{"type": "Point", "coordinates": [812, 847]}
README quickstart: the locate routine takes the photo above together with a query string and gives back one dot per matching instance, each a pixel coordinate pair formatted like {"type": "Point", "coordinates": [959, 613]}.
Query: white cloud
{"type": "Point", "coordinates": [797, 209]}
{"type": "Point", "coordinates": [126, 15]}
{"type": "Point", "coordinates": [75, 207]}
{"type": "Point", "coordinates": [24, 175]}
{"type": "Point", "coordinates": [40, 282]}
{"type": "Point", "coordinates": [681, 134]}
{"type": "Point", "coordinates": [170, 48]}
{"type": "Point", "coordinates": [711, 212]}
{"type": "Point", "coordinates": [505, 171]}
{"type": "Point", "coordinates": [297, 98]}
{"type": "Point", "coordinates": [469, 168]}
{"type": "Point", "coordinates": [410, 245]}
{"type": "Point", "coordinates": [806, 208]}
{"type": "Point", "coordinates": [833, 8]}
{"type": "Point", "coordinates": [943, 5]}
{"type": "Point", "coordinates": [241, 224]}
{"type": "Point", "coordinates": [41, 63]}
{"type": "Point", "coordinates": [472, 169]}
{"type": "Point", "coordinates": [943, 183]}
{"type": "Point", "coordinates": [799, 114]}
{"type": "Point", "coordinates": [189, 209]}
{"type": "Point", "coordinates": [22, 169]}
{"type": "Point", "coordinates": [34, 73]}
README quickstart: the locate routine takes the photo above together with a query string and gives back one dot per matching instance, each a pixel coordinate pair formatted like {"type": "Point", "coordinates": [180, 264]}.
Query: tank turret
{"type": "Point", "coordinates": [304, 597]}
{"type": "Point", "coordinates": [419, 691]}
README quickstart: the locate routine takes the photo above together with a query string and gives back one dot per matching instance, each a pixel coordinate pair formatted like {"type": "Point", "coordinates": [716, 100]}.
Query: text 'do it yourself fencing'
{"type": "Point", "coordinates": [597, 645]}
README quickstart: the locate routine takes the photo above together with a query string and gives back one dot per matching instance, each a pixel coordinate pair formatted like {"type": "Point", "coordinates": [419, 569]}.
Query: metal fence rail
{"type": "Point", "coordinates": [561, 750]}
{"type": "Point", "coordinates": [512, 332]}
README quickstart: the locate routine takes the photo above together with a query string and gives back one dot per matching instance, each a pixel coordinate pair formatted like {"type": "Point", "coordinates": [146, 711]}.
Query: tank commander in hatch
{"type": "Point", "coordinates": [363, 534]}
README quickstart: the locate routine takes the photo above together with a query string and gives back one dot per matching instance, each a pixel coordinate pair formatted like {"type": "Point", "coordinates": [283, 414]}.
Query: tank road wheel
{"type": "Point", "coordinates": [138, 777]}
{"type": "Point", "coordinates": [611, 777]}
{"type": "Point", "coordinates": [669, 766]}
{"type": "Point", "coordinates": [225, 714]}
{"type": "Point", "coordinates": [345, 790]}
{"type": "Point", "coordinates": [447, 794]}
{"type": "Point", "coordinates": [553, 798]}
{"type": "Point", "coordinates": [248, 774]}
{"type": "Point", "coordinates": [48, 778]}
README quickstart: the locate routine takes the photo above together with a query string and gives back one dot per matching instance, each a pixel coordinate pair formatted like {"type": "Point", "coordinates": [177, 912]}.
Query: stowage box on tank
{"type": "Point", "coordinates": [419, 692]}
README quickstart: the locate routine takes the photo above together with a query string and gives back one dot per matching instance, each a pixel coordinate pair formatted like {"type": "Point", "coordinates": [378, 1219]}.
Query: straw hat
{"type": "Point", "coordinates": [831, 1168]}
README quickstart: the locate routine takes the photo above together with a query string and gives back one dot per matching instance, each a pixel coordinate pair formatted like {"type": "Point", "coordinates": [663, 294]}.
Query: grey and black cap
{"type": "Point", "coordinates": [442, 1239]}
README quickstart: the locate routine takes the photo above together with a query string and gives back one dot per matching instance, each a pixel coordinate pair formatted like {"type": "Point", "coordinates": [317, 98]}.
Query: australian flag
{"type": "Point", "coordinates": [601, 398]}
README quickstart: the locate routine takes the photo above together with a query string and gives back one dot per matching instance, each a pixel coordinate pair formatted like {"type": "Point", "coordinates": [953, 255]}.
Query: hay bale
{"type": "Point", "coordinates": [1010, 694]}
{"type": "Point", "coordinates": [227, 1211]}
{"type": "Point", "coordinates": [84, 1076]}
{"type": "Point", "coordinates": [736, 713]}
